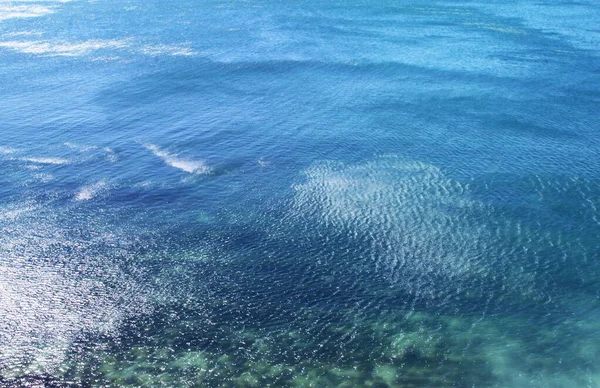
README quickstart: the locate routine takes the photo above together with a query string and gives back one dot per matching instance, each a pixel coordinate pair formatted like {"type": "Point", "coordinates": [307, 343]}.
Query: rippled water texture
{"type": "Point", "coordinates": [311, 194]}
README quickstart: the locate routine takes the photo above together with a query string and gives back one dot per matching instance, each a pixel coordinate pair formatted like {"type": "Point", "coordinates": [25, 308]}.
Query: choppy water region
{"type": "Point", "coordinates": [299, 194]}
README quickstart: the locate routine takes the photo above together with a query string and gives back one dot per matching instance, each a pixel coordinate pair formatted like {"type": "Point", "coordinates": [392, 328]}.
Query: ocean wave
{"type": "Point", "coordinates": [13, 211]}
{"type": "Point", "coordinates": [63, 49]}
{"type": "Point", "coordinates": [111, 155]}
{"type": "Point", "coordinates": [22, 33]}
{"type": "Point", "coordinates": [35, 1]}
{"type": "Point", "coordinates": [164, 49]}
{"type": "Point", "coordinates": [189, 166]}
{"type": "Point", "coordinates": [43, 177]}
{"type": "Point", "coordinates": [77, 49]}
{"type": "Point", "coordinates": [7, 150]}
{"type": "Point", "coordinates": [90, 191]}
{"type": "Point", "coordinates": [11, 11]}
{"type": "Point", "coordinates": [79, 147]}
{"type": "Point", "coordinates": [43, 160]}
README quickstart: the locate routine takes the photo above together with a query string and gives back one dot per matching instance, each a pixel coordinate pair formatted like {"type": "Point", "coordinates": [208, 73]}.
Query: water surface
{"type": "Point", "coordinates": [276, 193]}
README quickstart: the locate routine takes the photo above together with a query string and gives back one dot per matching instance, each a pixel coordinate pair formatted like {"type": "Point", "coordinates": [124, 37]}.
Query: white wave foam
{"type": "Point", "coordinates": [76, 49]}
{"type": "Point", "coordinates": [79, 147]}
{"type": "Point", "coordinates": [35, 1]}
{"type": "Point", "coordinates": [46, 160]}
{"type": "Point", "coordinates": [10, 11]}
{"type": "Point", "coordinates": [63, 49]}
{"type": "Point", "coordinates": [22, 33]}
{"type": "Point", "coordinates": [163, 49]}
{"type": "Point", "coordinates": [7, 150]}
{"type": "Point", "coordinates": [189, 166]}
{"type": "Point", "coordinates": [12, 212]}
{"type": "Point", "coordinates": [44, 178]}
{"type": "Point", "coordinates": [111, 155]}
{"type": "Point", "coordinates": [108, 58]}
{"type": "Point", "coordinates": [90, 191]}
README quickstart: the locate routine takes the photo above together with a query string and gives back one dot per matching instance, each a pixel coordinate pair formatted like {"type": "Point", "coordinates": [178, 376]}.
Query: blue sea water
{"type": "Point", "coordinates": [309, 193]}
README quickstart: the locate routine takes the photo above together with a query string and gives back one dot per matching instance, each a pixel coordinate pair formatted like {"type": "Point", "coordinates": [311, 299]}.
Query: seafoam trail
{"type": "Point", "coordinates": [189, 166]}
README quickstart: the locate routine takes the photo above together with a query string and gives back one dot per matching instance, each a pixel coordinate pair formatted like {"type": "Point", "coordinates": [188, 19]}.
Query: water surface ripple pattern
{"type": "Point", "coordinates": [311, 194]}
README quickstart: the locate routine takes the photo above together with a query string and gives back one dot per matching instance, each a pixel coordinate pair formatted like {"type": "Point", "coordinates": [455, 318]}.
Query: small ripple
{"type": "Point", "coordinates": [418, 219]}
{"type": "Point", "coordinates": [58, 282]}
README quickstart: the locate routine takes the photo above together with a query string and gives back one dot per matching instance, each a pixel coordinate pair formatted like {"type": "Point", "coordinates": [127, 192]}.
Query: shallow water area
{"type": "Point", "coordinates": [299, 194]}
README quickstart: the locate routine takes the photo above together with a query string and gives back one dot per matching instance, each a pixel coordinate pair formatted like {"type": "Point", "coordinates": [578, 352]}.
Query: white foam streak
{"type": "Point", "coordinates": [111, 155]}
{"type": "Point", "coordinates": [163, 49]}
{"type": "Point", "coordinates": [76, 49]}
{"type": "Point", "coordinates": [79, 147]}
{"type": "Point", "coordinates": [21, 33]}
{"type": "Point", "coordinates": [62, 49]}
{"type": "Point", "coordinates": [33, 1]}
{"type": "Point", "coordinates": [44, 178]}
{"type": "Point", "coordinates": [189, 166]}
{"type": "Point", "coordinates": [46, 160]}
{"type": "Point", "coordinates": [91, 191]}
{"type": "Point", "coordinates": [7, 150]}
{"type": "Point", "coordinates": [12, 213]}
{"type": "Point", "coordinates": [9, 11]}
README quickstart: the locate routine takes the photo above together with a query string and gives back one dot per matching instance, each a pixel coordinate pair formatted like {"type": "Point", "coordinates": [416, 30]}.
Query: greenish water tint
{"type": "Point", "coordinates": [299, 194]}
